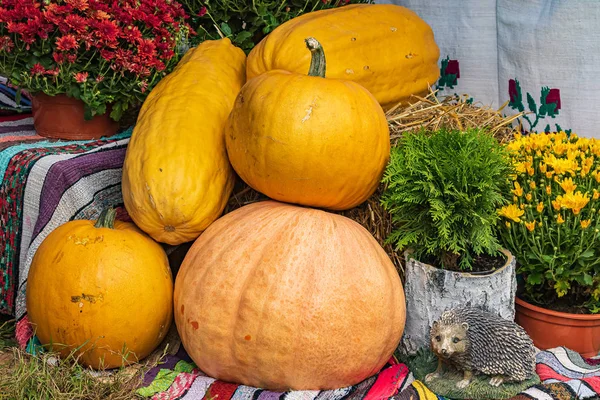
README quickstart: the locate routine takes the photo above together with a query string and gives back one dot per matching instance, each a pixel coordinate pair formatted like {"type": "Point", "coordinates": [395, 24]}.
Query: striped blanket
{"type": "Point", "coordinates": [45, 184]}
{"type": "Point", "coordinates": [8, 102]}
{"type": "Point", "coordinates": [565, 375]}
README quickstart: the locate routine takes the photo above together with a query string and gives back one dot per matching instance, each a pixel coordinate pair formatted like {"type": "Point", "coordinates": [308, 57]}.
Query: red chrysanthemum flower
{"type": "Point", "coordinates": [66, 43]}
{"type": "Point", "coordinates": [106, 31]}
{"type": "Point", "coordinates": [37, 69]}
{"type": "Point", "coordinates": [81, 77]}
{"type": "Point", "coordinates": [75, 23]}
{"type": "Point", "coordinates": [147, 48]}
{"type": "Point", "coordinates": [6, 44]}
{"type": "Point", "coordinates": [202, 11]}
{"type": "Point", "coordinates": [80, 5]}
{"type": "Point", "coordinates": [58, 58]}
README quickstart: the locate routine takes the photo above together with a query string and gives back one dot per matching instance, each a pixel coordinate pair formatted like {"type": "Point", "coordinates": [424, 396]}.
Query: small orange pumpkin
{"type": "Point", "coordinates": [102, 290]}
{"type": "Point", "coordinates": [308, 140]}
{"type": "Point", "coordinates": [285, 297]}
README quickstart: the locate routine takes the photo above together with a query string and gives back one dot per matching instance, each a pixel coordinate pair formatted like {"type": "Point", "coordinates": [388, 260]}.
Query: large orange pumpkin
{"type": "Point", "coordinates": [308, 140]}
{"type": "Point", "coordinates": [102, 290]}
{"type": "Point", "coordinates": [285, 297]}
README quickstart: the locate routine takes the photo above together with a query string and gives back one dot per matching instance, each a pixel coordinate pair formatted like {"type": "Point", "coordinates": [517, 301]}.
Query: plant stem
{"type": "Point", "coordinates": [107, 218]}
{"type": "Point", "coordinates": [317, 61]}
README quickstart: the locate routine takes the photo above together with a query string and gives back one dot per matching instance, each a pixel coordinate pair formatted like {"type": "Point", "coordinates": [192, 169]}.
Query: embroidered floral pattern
{"type": "Point", "coordinates": [449, 73]}
{"type": "Point", "coordinates": [550, 105]}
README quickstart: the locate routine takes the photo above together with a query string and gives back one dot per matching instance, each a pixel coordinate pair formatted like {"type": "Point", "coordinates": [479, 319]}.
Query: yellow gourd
{"type": "Point", "coordinates": [386, 48]}
{"type": "Point", "coordinates": [176, 176]}
{"type": "Point", "coordinates": [307, 139]}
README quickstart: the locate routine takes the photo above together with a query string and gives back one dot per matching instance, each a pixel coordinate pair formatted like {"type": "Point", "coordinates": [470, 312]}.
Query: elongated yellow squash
{"type": "Point", "coordinates": [176, 176]}
{"type": "Point", "coordinates": [386, 48]}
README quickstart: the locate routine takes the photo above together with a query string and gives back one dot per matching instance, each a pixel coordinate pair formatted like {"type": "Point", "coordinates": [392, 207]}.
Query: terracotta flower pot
{"type": "Point", "coordinates": [62, 117]}
{"type": "Point", "coordinates": [549, 329]}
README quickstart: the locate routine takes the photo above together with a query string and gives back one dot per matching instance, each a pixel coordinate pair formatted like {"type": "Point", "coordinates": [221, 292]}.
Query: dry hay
{"type": "Point", "coordinates": [455, 112]}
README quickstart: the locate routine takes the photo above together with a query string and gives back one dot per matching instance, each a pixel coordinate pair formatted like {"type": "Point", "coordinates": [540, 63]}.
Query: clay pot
{"type": "Point", "coordinates": [430, 291]}
{"type": "Point", "coordinates": [62, 117]}
{"type": "Point", "coordinates": [549, 329]}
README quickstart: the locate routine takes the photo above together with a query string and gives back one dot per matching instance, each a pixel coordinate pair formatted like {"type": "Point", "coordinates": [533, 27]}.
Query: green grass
{"type": "Point", "coordinates": [46, 376]}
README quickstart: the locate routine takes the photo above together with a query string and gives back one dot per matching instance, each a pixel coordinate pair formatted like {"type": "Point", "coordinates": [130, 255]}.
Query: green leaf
{"type": "Point", "coordinates": [226, 29]}
{"type": "Point", "coordinates": [242, 36]}
{"type": "Point", "coordinates": [117, 112]}
{"type": "Point", "coordinates": [262, 11]}
{"type": "Point", "coordinates": [588, 280]}
{"type": "Point", "coordinates": [88, 113]}
{"type": "Point", "coordinates": [587, 254]}
{"type": "Point", "coordinates": [531, 104]}
{"type": "Point", "coordinates": [535, 278]}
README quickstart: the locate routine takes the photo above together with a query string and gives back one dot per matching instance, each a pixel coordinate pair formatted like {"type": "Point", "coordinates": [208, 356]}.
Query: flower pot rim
{"type": "Point", "coordinates": [558, 314]}
{"type": "Point", "coordinates": [506, 252]}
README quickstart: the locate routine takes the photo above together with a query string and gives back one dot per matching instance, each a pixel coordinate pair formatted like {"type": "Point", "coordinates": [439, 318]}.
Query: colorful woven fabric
{"type": "Point", "coordinates": [178, 378]}
{"type": "Point", "coordinates": [8, 101]}
{"type": "Point", "coordinates": [45, 184]}
{"type": "Point", "coordinates": [565, 375]}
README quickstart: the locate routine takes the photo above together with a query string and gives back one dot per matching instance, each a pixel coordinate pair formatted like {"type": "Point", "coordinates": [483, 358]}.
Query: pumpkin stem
{"type": "Point", "coordinates": [317, 61]}
{"type": "Point", "coordinates": [107, 218]}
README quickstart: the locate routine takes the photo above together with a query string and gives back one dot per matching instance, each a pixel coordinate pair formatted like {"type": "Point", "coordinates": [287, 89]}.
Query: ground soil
{"type": "Point", "coordinates": [482, 264]}
{"type": "Point", "coordinates": [566, 304]}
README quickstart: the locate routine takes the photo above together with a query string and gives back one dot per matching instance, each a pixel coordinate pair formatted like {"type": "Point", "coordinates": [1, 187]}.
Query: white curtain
{"type": "Point", "coordinates": [545, 52]}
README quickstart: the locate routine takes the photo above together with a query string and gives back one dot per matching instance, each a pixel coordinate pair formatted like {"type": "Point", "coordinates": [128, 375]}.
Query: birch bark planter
{"type": "Point", "coordinates": [549, 329]}
{"type": "Point", "coordinates": [430, 291]}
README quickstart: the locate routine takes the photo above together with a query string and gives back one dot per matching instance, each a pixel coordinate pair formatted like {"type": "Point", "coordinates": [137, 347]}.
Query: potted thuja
{"type": "Point", "coordinates": [86, 62]}
{"type": "Point", "coordinates": [552, 227]}
{"type": "Point", "coordinates": [443, 189]}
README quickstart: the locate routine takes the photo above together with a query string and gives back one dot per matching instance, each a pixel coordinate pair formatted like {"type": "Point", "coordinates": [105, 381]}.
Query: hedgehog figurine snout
{"type": "Point", "coordinates": [477, 342]}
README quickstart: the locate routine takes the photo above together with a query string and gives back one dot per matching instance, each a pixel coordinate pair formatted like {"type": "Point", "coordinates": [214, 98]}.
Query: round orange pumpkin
{"type": "Point", "coordinates": [307, 139]}
{"type": "Point", "coordinates": [103, 291]}
{"type": "Point", "coordinates": [285, 297]}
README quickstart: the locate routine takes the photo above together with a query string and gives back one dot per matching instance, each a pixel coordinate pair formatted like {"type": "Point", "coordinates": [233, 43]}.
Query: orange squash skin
{"type": "Point", "coordinates": [386, 48]}
{"type": "Point", "coordinates": [176, 175]}
{"type": "Point", "coordinates": [107, 290]}
{"type": "Point", "coordinates": [284, 297]}
{"type": "Point", "coordinates": [308, 140]}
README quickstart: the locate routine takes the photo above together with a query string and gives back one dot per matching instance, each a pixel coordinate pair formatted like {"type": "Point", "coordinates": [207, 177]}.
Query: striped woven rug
{"type": "Point", "coordinates": [565, 375]}
{"type": "Point", "coordinates": [45, 184]}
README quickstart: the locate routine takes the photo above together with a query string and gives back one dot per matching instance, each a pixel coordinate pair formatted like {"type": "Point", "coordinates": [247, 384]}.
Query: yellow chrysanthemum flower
{"type": "Point", "coordinates": [512, 212]}
{"type": "Point", "coordinates": [596, 195]}
{"type": "Point", "coordinates": [585, 223]}
{"type": "Point", "coordinates": [532, 185]}
{"type": "Point", "coordinates": [518, 190]}
{"type": "Point", "coordinates": [507, 224]}
{"type": "Point", "coordinates": [567, 185]}
{"type": "Point", "coordinates": [530, 226]}
{"type": "Point", "coordinates": [548, 189]}
{"type": "Point", "coordinates": [561, 166]}
{"type": "Point", "coordinates": [556, 204]}
{"type": "Point", "coordinates": [528, 196]}
{"type": "Point", "coordinates": [560, 219]}
{"type": "Point", "coordinates": [575, 201]}
{"type": "Point", "coordinates": [540, 207]}
{"type": "Point", "coordinates": [543, 168]}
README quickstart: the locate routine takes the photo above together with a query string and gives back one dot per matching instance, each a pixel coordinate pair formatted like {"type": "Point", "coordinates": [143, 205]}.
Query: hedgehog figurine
{"type": "Point", "coordinates": [478, 342]}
